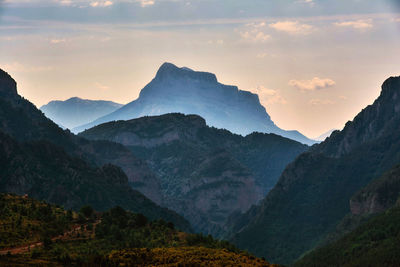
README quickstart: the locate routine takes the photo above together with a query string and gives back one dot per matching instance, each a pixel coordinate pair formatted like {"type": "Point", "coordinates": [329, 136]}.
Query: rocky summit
{"type": "Point", "coordinates": [193, 92]}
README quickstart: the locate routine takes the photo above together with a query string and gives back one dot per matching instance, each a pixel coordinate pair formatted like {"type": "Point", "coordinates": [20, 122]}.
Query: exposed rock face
{"type": "Point", "coordinates": [205, 173]}
{"type": "Point", "coordinates": [313, 193]}
{"type": "Point", "coordinates": [75, 111]}
{"type": "Point", "coordinates": [379, 195]}
{"type": "Point", "coordinates": [371, 123]}
{"type": "Point", "coordinates": [191, 92]}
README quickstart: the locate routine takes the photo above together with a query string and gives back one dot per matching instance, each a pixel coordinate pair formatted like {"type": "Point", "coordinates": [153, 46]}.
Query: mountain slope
{"type": "Point", "coordinates": [191, 92]}
{"type": "Point", "coordinates": [35, 233]}
{"type": "Point", "coordinates": [206, 173]}
{"type": "Point", "coordinates": [71, 172]}
{"type": "Point", "coordinates": [370, 235]}
{"type": "Point", "coordinates": [75, 111]}
{"type": "Point", "coordinates": [24, 122]}
{"type": "Point", "coordinates": [313, 193]}
{"type": "Point", "coordinates": [374, 243]}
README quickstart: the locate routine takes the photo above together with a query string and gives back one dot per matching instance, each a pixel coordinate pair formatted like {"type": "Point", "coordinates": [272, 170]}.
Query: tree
{"type": "Point", "coordinates": [87, 211]}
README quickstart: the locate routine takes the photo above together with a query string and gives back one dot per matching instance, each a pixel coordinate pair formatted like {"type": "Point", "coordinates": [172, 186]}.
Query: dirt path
{"type": "Point", "coordinates": [68, 235]}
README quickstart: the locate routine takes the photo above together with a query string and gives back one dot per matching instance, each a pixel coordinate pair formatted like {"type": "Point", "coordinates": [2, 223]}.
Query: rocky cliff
{"type": "Point", "coordinates": [193, 92]}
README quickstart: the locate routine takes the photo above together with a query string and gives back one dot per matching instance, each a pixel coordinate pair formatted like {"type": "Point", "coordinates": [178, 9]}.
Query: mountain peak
{"type": "Point", "coordinates": [169, 70]}
{"type": "Point", "coordinates": [391, 87]}
{"type": "Point", "coordinates": [8, 86]}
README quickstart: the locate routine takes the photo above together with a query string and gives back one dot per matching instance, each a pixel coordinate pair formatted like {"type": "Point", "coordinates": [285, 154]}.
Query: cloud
{"type": "Point", "coordinates": [255, 32]}
{"type": "Point", "coordinates": [269, 96]}
{"type": "Point", "coordinates": [145, 3]}
{"type": "Point", "coordinates": [309, 2]}
{"type": "Point", "coordinates": [18, 67]}
{"type": "Point", "coordinates": [262, 55]}
{"type": "Point", "coordinates": [312, 85]}
{"type": "Point", "coordinates": [319, 102]}
{"type": "Point", "coordinates": [356, 24]}
{"type": "Point", "coordinates": [57, 41]}
{"type": "Point", "coordinates": [292, 27]}
{"type": "Point", "coordinates": [101, 3]}
{"type": "Point", "coordinates": [101, 86]}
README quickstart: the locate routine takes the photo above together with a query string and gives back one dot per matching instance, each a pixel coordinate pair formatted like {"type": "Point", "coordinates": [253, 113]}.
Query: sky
{"type": "Point", "coordinates": [314, 63]}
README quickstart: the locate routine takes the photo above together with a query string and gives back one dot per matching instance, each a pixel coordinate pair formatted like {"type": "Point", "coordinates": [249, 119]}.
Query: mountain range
{"type": "Point", "coordinates": [206, 174]}
{"type": "Point", "coordinates": [320, 188]}
{"type": "Point", "coordinates": [40, 159]}
{"type": "Point", "coordinates": [186, 91]}
{"type": "Point", "coordinates": [75, 111]}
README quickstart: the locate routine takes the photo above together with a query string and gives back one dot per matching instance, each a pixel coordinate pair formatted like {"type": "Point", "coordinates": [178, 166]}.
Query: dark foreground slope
{"type": "Point", "coordinates": [40, 159]}
{"type": "Point", "coordinates": [375, 241]}
{"type": "Point", "coordinates": [206, 173]}
{"type": "Point", "coordinates": [187, 91]}
{"type": "Point", "coordinates": [314, 192]}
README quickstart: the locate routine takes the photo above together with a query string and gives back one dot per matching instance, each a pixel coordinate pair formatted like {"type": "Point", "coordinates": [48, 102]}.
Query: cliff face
{"type": "Point", "coordinates": [379, 195]}
{"type": "Point", "coordinates": [205, 173]}
{"type": "Point", "coordinates": [373, 122]}
{"type": "Point", "coordinates": [313, 193]}
{"type": "Point", "coordinates": [193, 92]}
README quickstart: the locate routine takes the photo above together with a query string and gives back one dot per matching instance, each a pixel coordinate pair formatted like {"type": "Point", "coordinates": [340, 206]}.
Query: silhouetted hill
{"type": "Point", "coordinates": [313, 194]}
{"type": "Point", "coordinates": [41, 159]}
{"type": "Point", "coordinates": [75, 111]}
{"type": "Point", "coordinates": [206, 173]}
{"type": "Point", "coordinates": [193, 92]}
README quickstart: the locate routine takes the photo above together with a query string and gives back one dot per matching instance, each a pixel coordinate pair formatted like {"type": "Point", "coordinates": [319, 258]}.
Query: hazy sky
{"type": "Point", "coordinates": [314, 63]}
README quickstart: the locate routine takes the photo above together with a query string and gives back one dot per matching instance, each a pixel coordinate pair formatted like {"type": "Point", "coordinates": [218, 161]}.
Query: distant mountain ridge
{"type": "Point", "coordinates": [75, 111]}
{"type": "Point", "coordinates": [315, 192]}
{"type": "Point", "coordinates": [186, 91]}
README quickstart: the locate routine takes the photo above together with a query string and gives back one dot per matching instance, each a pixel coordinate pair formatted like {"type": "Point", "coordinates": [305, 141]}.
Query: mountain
{"type": "Point", "coordinates": [369, 235]}
{"type": "Point", "coordinates": [75, 111]}
{"type": "Point", "coordinates": [207, 174]}
{"type": "Point", "coordinates": [374, 243]}
{"type": "Point", "coordinates": [323, 136]}
{"type": "Point", "coordinates": [192, 92]}
{"type": "Point", "coordinates": [313, 193]}
{"type": "Point", "coordinates": [40, 159]}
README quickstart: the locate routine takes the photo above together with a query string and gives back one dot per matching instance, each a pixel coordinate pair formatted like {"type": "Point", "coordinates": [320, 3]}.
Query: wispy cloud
{"type": "Point", "coordinates": [19, 67]}
{"type": "Point", "coordinates": [312, 85]}
{"type": "Point", "coordinates": [356, 24]}
{"type": "Point", "coordinates": [145, 3]}
{"type": "Point", "coordinates": [318, 102]}
{"type": "Point", "coordinates": [57, 41]}
{"type": "Point", "coordinates": [101, 3]}
{"type": "Point", "coordinates": [101, 86]}
{"type": "Point", "coordinates": [292, 27]}
{"type": "Point", "coordinates": [269, 96]}
{"type": "Point", "coordinates": [255, 32]}
{"type": "Point", "coordinates": [309, 2]}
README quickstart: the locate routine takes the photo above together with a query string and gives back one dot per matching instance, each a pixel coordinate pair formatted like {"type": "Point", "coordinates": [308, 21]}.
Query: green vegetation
{"type": "Point", "coordinates": [374, 243]}
{"type": "Point", "coordinates": [115, 237]}
{"type": "Point", "coordinates": [24, 220]}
